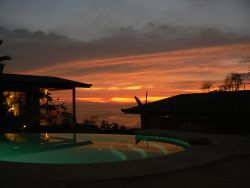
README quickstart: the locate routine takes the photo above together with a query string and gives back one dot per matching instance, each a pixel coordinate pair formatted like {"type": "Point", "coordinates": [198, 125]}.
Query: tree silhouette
{"type": "Point", "coordinates": [207, 85]}
{"type": "Point", "coordinates": [54, 113]}
{"type": "Point", "coordinates": [233, 81]}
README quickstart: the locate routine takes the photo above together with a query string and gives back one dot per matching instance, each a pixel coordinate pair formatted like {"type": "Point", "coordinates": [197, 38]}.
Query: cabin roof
{"type": "Point", "coordinates": [9, 81]}
{"type": "Point", "coordinates": [198, 103]}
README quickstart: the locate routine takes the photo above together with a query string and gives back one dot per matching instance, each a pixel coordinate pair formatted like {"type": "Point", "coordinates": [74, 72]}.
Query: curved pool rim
{"type": "Point", "coordinates": [107, 170]}
{"type": "Point", "coordinates": [163, 139]}
{"type": "Point", "coordinates": [143, 149]}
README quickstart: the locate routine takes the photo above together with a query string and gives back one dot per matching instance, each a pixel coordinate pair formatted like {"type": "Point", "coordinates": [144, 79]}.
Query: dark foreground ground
{"type": "Point", "coordinates": [233, 171]}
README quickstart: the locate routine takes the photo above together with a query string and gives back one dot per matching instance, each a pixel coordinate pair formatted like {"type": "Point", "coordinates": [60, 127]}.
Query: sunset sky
{"type": "Point", "coordinates": [126, 47]}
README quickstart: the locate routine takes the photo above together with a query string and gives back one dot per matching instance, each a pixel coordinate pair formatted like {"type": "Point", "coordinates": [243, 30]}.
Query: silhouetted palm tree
{"type": "Point", "coordinates": [3, 58]}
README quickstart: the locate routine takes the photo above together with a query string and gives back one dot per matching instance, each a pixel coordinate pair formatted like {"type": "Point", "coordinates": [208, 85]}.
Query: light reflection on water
{"type": "Point", "coordinates": [67, 148]}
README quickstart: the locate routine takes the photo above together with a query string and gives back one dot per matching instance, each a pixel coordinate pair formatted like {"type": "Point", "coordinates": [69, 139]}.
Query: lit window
{"type": "Point", "coordinates": [15, 103]}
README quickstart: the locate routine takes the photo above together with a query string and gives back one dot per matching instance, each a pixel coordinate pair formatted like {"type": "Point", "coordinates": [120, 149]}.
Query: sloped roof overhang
{"type": "Point", "coordinates": [20, 82]}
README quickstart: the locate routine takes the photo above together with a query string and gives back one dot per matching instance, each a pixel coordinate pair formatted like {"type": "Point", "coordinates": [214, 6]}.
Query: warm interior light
{"type": "Point", "coordinates": [15, 102]}
{"type": "Point", "coordinates": [45, 136]}
{"type": "Point", "coordinates": [13, 137]}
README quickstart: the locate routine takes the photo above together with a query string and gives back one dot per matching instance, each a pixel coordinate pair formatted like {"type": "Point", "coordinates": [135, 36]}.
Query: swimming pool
{"type": "Point", "coordinates": [55, 148]}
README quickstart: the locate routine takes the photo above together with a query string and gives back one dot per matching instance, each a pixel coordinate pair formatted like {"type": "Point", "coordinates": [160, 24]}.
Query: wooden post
{"type": "Point", "coordinates": [2, 111]}
{"type": "Point", "coordinates": [74, 105]}
{"type": "Point", "coordinates": [74, 113]}
{"type": "Point", "coordinates": [47, 102]}
{"type": "Point", "coordinates": [33, 108]}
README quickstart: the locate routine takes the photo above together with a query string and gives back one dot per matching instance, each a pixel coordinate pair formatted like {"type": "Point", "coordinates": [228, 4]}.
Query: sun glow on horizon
{"type": "Point", "coordinates": [132, 100]}
{"type": "Point", "coordinates": [128, 100]}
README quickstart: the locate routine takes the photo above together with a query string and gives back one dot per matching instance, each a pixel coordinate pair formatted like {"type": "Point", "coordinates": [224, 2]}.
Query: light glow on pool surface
{"type": "Point", "coordinates": [80, 148]}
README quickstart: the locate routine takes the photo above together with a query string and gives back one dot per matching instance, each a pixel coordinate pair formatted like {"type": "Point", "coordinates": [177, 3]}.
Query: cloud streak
{"type": "Point", "coordinates": [33, 50]}
{"type": "Point", "coordinates": [170, 73]}
{"type": "Point", "coordinates": [163, 74]}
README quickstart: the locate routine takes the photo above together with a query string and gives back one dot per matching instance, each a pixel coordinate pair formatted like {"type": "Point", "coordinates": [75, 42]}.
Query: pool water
{"type": "Point", "coordinates": [80, 148]}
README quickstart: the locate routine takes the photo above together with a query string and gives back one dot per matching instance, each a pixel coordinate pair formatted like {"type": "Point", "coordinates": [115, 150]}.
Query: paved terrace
{"type": "Point", "coordinates": [214, 160]}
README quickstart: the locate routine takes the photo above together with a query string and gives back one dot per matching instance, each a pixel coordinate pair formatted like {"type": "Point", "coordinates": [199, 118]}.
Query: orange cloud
{"type": "Point", "coordinates": [92, 99]}
{"type": "Point", "coordinates": [163, 74]}
{"type": "Point", "coordinates": [117, 80]}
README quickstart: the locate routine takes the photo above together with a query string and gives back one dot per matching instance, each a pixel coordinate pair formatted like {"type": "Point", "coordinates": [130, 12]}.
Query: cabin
{"type": "Point", "coordinates": [221, 111]}
{"type": "Point", "coordinates": [22, 94]}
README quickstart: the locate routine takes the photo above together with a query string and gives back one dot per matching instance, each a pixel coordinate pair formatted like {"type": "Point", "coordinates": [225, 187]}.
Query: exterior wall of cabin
{"type": "Point", "coordinates": [204, 123]}
{"type": "Point", "coordinates": [23, 110]}
{"type": "Point", "coordinates": [154, 121]}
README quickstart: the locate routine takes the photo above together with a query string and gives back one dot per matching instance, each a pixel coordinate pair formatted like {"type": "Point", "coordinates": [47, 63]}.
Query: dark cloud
{"type": "Point", "coordinates": [95, 19]}
{"type": "Point", "coordinates": [31, 50]}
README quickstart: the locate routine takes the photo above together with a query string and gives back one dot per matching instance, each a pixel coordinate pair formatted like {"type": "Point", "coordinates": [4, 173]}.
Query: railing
{"type": "Point", "coordinates": [235, 87]}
